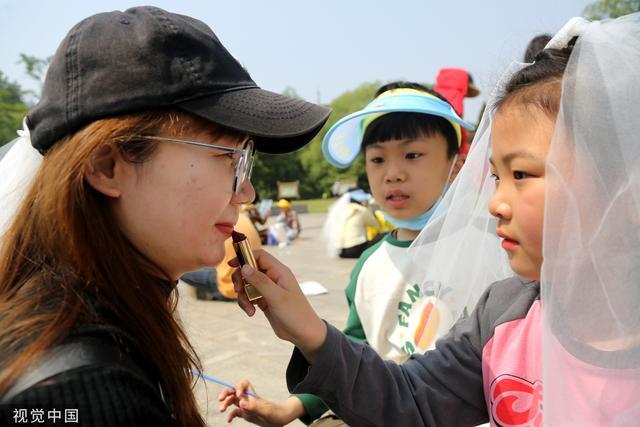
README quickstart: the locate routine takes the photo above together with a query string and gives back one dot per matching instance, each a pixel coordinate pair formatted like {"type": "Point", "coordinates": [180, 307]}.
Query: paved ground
{"type": "Point", "coordinates": [233, 346]}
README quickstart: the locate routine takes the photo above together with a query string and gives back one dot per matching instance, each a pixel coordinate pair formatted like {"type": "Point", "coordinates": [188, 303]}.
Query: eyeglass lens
{"type": "Point", "coordinates": [245, 166]}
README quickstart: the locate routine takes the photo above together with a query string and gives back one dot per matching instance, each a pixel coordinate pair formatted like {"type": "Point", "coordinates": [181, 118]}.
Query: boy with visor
{"type": "Point", "coordinates": [410, 138]}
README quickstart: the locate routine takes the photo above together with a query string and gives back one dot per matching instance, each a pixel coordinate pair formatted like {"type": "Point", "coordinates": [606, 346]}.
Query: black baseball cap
{"type": "Point", "coordinates": [147, 58]}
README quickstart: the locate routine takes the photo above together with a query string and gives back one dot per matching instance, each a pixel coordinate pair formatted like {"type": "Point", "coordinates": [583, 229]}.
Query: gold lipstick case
{"type": "Point", "coordinates": [245, 256]}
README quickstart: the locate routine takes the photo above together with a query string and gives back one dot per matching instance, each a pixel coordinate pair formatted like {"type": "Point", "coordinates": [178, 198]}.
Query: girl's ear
{"type": "Point", "coordinates": [457, 166]}
{"type": "Point", "coordinates": [101, 171]}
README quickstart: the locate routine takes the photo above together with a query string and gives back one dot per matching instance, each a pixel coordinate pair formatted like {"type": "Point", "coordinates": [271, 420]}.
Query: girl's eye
{"type": "Point", "coordinates": [520, 175]}
{"type": "Point", "coordinates": [412, 156]}
{"type": "Point", "coordinates": [495, 177]}
{"type": "Point", "coordinates": [377, 160]}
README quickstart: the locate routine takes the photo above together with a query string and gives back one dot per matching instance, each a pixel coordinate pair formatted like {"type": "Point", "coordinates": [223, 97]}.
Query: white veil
{"type": "Point", "coordinates": [458, 254]}
{"type": "Point", "coordinates": [17, 169]}
{"type": "Point", "coordinates": [591, 244]}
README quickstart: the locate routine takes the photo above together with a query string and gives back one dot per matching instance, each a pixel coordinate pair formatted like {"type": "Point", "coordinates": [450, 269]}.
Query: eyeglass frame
{"type": "Point", "coordinates": [246, 152]}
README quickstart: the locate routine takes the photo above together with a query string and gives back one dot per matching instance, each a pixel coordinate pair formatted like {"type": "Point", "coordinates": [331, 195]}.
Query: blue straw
{"type": "Point", "coordinates": [207, 377]}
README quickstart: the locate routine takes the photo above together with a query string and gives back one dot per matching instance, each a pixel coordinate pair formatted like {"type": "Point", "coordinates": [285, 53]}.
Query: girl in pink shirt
{"type": "Point", "coordinates": [559, 343]}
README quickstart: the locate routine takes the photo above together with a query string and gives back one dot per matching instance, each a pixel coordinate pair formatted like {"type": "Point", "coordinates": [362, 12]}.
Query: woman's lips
{"type": "Point", "coordinates": [225, 228]}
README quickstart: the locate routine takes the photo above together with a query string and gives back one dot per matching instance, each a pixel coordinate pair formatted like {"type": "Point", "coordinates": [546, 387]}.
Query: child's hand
{"type": "Point", "coordinates": [287, 309]}
{"type": "Point", "coordinates": [257, 410]}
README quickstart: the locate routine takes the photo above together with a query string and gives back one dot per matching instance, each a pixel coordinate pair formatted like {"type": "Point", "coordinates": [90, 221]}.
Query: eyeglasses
{"type": "Point", "coordinates": [244, 166]}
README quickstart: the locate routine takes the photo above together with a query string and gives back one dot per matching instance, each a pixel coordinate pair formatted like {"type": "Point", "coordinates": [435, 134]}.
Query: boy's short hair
{"type": "Point", "coordinates": [402, 85]}
{"type": "Point", "coordinates": [409, 126]}
{"type": "Point", "coordinates": [409, 85]}
{"type": "Point", "coordinates": [401, 125]}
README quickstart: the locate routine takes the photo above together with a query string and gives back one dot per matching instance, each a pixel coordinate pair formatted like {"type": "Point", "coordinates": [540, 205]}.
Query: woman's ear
{"type": "Point", "coordinates": [101, 171]}
{"type": "Point", "coordinates": [460, 159]}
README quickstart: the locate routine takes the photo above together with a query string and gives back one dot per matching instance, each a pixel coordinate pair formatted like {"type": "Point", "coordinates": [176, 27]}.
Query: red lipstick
{"type": "Point", "coordinates": [245, 256]}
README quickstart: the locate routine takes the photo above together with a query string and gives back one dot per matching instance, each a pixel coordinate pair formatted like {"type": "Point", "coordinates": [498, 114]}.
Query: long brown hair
{"type": "Point", "coordinates": [64, 253]}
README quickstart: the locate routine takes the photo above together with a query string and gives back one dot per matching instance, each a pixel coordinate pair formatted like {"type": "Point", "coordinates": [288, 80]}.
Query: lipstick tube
{"type": "Point", "coordinates": [245, 256]}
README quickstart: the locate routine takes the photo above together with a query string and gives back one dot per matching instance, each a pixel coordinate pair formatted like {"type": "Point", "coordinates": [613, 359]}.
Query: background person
{"type": "Point", "coordinates": [287, 225]}
{"type": "Point", "coordinates": [258, 212]}
{"type": "Point", "coordinates": [205, 282]}
{"type": "Point", "coordinates": [356, 217]}
{"type": "Point", "coordinates": [346, 228]}
{"type": "Point", "coordinates": [223, 270]}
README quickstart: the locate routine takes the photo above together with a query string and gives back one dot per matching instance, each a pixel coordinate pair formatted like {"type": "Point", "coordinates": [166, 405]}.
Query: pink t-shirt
{"type": "Point", "coordinates": [513, 382]}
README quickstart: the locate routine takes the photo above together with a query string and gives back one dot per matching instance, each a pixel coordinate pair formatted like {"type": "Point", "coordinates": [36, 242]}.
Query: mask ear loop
{"type": "Point", "coordinates": [448, 181]}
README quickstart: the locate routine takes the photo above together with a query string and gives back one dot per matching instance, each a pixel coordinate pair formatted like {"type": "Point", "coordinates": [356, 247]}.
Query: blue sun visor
{"type": "Point", "coordinates": [341, 144]}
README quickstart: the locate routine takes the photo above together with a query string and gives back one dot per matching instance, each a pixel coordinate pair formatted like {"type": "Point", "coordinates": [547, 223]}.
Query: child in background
{"type": "Point", "coordinates": [558, 344]}
{"type": "Point", "coordinates": [258, 212]}
{"type": "Point", "coordinates": [455, 84]}
{"type": "Point", "coordinates": [287, 227]}
{"type": "Point", "coordinates": [383, 226]}
{"type": "Point", "coordinates": [410, 138]}
{"type": "Point", "coordinates": [347, 224]}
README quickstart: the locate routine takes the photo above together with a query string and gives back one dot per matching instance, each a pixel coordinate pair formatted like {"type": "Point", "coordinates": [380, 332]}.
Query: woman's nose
{"type": "Point", "coordinates": [246, 194]}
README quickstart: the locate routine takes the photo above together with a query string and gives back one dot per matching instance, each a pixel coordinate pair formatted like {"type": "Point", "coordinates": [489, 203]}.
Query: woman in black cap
{"type": "Point", "coordinates": [147, 129]}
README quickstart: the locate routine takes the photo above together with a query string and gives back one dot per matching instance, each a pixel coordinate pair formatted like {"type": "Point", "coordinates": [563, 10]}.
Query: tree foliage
{"type": "Point", "coordinates": [319, 174]}
{"type": "Point", "coordinates": [12, 109]}
{"type": "Point", "coordinates": [268, 169]}
{"type": "Point", "coordinates": [308, 165]}
{"type": "Point", "coordinates": [36, 68]}
{"type": "Point", "coordinates": [601, 9]}
{"type": "Point", "coordinates": [15, 100]}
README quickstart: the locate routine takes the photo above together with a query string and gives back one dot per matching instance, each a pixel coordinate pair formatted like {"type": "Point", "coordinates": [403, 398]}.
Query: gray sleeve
{"type": "Point", "coordinates": [442, 387]}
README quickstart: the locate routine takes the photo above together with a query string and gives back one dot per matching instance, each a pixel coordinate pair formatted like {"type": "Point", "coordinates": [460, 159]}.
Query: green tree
{"type": "Point", "coordinates": [319, 175]}
{"type": "Point", "coordinates": [12, 109]}
{"type": "Point", "coordinates": [611, 8]}
{"type": "Point", "coordinates": [268, 169]}
{"type": "Point", "coordinates": [35, 68]}
{"type": "Point", "coordinates": [308, 165]}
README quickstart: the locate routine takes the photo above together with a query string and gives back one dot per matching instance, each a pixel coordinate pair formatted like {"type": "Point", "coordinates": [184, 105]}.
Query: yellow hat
{"type": "Point", "coordinates": [284, 203]}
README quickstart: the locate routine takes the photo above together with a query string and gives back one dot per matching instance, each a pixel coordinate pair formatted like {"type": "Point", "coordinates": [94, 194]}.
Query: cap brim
{"type": "Point", "coordinates": [277, 123]}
